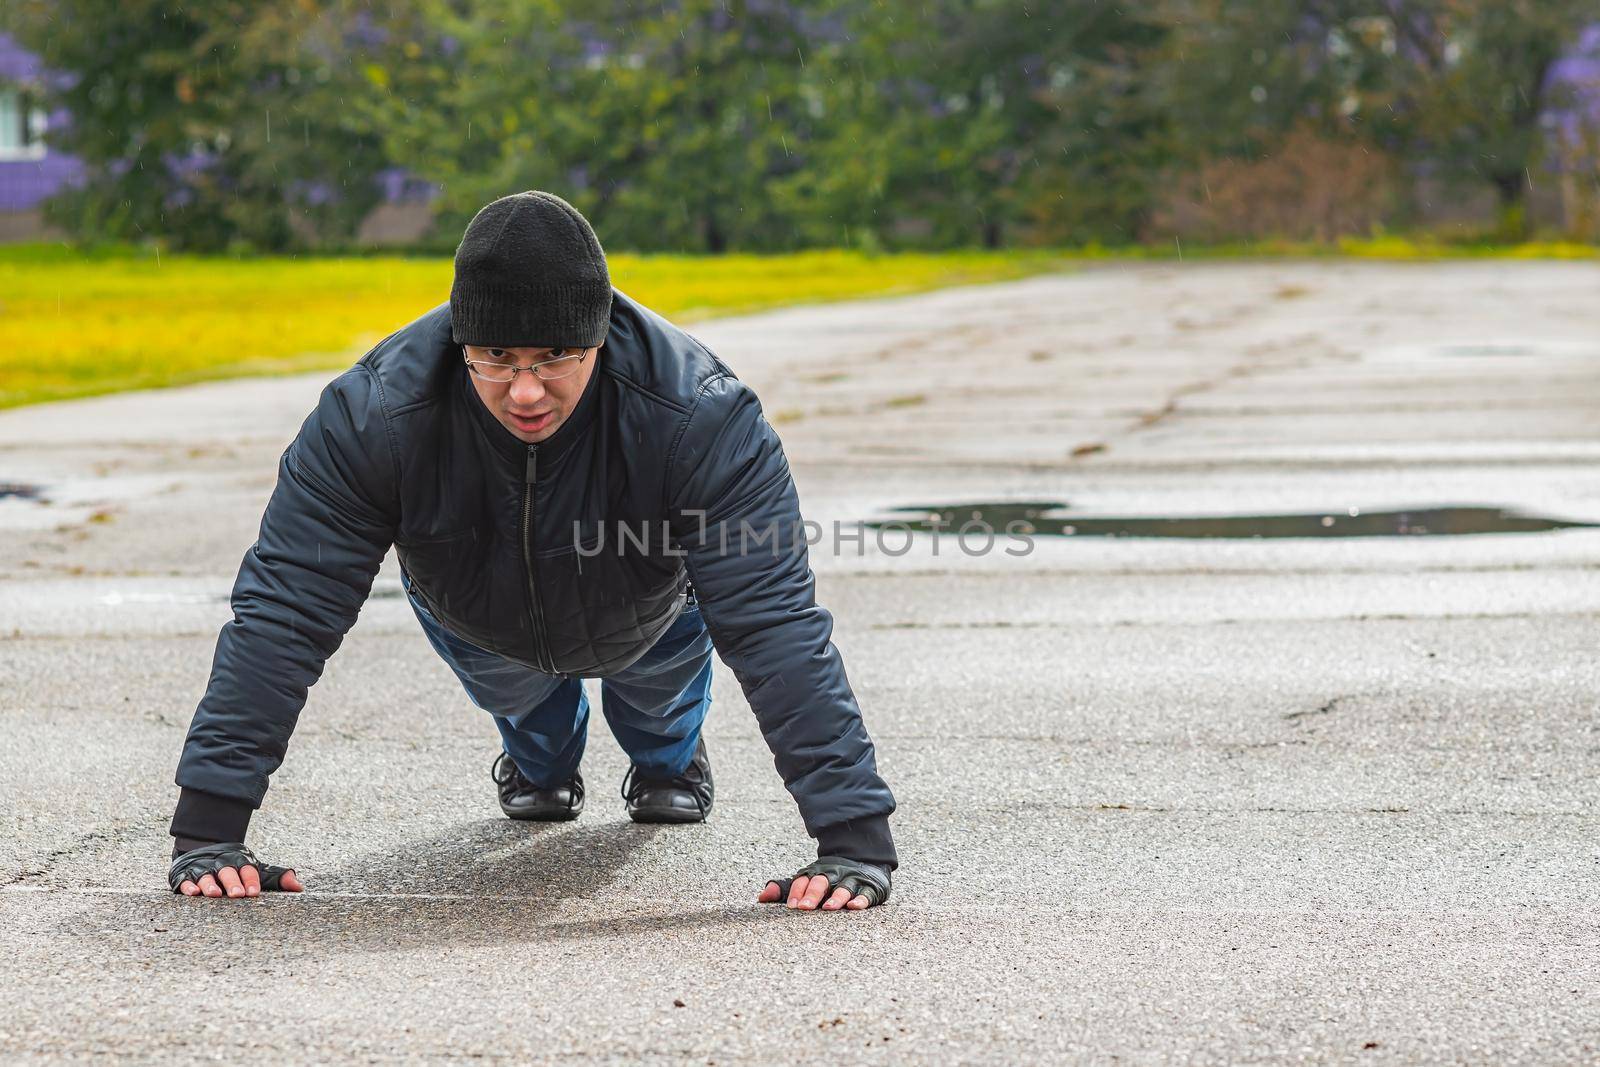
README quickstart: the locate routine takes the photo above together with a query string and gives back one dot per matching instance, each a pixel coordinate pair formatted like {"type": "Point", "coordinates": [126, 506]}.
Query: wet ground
{"type": "Point", "coordinates": [1207, 779]}
{"type": "Point", "coordinates": [977, 525]}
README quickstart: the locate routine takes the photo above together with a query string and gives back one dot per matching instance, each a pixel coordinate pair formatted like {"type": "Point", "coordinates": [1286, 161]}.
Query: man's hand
{"type": "Point", "coordinates": [833, 882]}
{"type": "Point", "coordinates": [228, 869]}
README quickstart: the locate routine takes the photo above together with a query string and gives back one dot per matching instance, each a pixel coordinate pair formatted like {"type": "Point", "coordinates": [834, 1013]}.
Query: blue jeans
{"type": "Point", "coordinates": [655, 707]}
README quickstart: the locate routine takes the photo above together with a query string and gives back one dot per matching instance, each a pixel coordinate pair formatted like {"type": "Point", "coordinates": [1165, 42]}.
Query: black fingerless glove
{"type": "Point", "coordinates": [866, 879]}
{"type": "Point", "coordinates": [209, 859]}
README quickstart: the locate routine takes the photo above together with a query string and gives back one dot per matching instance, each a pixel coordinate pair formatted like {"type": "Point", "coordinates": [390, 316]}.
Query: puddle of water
{"type": "Point", "coordinates": [20, 491]}
{"type": "Point", "coordinates": [1046, 518]}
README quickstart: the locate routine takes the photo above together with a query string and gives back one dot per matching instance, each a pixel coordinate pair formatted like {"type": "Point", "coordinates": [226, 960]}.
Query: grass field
{"type": "Point", "coordinates": [75, 325]}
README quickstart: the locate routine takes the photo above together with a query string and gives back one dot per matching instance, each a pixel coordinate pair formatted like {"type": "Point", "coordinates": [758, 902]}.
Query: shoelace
{"type": "Point", "coordinates": [691, 779]}
{"type": "Point", "coordinates": [505, 773]}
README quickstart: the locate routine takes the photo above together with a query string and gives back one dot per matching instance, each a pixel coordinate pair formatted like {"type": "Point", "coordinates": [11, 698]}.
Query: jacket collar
{"type": "Point", "coordinates": [509, 443]}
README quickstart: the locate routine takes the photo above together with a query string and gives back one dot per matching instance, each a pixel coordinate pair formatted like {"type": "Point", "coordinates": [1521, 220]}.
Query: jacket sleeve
{"type": "Point", "coordinates": [736, 516]}
{"type": "Point", "coordinates": [328, 525]}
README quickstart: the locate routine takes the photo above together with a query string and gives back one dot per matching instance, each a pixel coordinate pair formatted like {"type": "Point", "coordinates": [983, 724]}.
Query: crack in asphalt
{"type": "Point", "coordinates": [99, 835]}
{"type": "Point", "coordinates": [1267, 359]}
{"type": "Point", "coordinates": [1327, 708]}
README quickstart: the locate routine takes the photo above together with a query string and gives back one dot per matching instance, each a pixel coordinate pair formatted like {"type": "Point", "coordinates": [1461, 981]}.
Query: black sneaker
{"type": "Point", "coordinates": [685, 798]}
{"type": "Point", "coordinates": [521, 799]}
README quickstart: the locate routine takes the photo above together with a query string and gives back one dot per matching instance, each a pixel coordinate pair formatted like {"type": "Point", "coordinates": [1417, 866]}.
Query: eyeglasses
{"type": "Point", "coordinates": [549, 370]}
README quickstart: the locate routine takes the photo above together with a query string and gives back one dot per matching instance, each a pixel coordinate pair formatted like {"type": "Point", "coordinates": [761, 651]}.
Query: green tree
{"type": "Point", "coordinates": [1005, 116]}
{"type": "Point", "coordinates": [473, 97]}
{"type": "Point", "coordinates": [1469, 84]}
{"type": "Point", "coordinates": [682, 125]}
{"type": "Point", "coordinates": [1235, 75]}
{"type": "Point", "coordinates": [206, 126]}
{"type": "Point", "coordinates": [1456, 88]}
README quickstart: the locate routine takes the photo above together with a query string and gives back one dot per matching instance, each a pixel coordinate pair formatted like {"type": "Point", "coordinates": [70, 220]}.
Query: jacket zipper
{"type": "Point", "coordinates": [539, 650]}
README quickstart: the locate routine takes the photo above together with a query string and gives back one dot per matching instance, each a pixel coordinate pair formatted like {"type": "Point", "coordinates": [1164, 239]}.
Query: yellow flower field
{"type": "Point", "coordinates": [74, 325]}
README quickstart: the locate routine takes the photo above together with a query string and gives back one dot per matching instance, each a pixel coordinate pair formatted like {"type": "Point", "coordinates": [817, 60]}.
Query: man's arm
{"type": "Point", "coordinates": [326, 529]}
{"type": "Point", "coordinates": [731, 486]}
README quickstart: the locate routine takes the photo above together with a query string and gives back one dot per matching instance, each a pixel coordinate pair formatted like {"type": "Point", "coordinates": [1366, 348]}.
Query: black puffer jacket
{"type": "Point", "coordinates": [502, 541]}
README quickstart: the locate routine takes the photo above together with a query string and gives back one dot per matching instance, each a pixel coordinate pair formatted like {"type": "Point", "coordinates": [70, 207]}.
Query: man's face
{"type": "Point", "coordinates": [532, 407]}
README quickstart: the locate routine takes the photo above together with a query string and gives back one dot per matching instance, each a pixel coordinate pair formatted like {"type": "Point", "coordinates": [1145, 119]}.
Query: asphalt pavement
{"type": "Point", "coordinates": [1315, 798]}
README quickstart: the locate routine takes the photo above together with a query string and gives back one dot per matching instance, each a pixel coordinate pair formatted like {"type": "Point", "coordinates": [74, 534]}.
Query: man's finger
{"type": "Point", "coordinates": [230, 882]}
{"type": "Point", "coordinates": [290, 882]}
{"type": "Point", "coordinates": [840, 897]}
{"type": "Point", "coordinates": [251, 879]}
{"type": "Point", "coordinates": [209, 886]}
{"type": "Point", "coordinates": [859, 902]}
{"type": "Point", "coordinates": [772, 893]}
{"type": "Point", "coordinates": [814, 893]}
{"type": "Point", "coordinates": [816, 887]}
{"type": "Point", "coordinates": [189, 889]}
{"type": "Point", "coordinates": [797, 889]}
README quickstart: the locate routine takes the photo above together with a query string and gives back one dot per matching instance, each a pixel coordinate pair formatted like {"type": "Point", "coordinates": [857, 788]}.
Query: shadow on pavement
{"type": "Point", "coordinates": [522, 872]}
{"type": "Point", "coordinates": [543, 862]}
{"type": "Point", "coordinates": [273, 935]}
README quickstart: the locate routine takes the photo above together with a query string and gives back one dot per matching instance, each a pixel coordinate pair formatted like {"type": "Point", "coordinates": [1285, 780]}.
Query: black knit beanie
{"type": "Point", "coordinates": [530, 273]}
